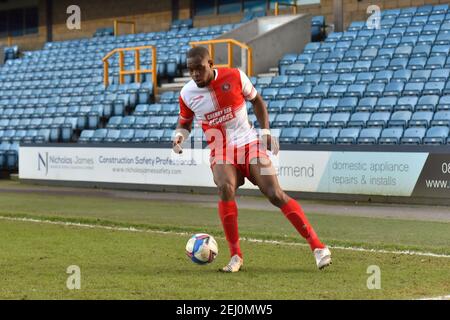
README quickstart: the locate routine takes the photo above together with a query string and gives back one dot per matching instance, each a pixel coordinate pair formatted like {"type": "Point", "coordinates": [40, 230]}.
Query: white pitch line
{"type": "Point", "coordinates": [132, 229]}
{"type": "Point", "coordinates": [436, 298]}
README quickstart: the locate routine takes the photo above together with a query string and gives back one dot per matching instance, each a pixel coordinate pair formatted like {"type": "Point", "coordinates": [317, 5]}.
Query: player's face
{"type": "Point", "coordinates": [200, 70]}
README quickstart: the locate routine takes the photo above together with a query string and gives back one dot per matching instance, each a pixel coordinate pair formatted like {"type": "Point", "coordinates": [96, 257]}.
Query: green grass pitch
{"type": "Point", "coordinates": [118, 264]}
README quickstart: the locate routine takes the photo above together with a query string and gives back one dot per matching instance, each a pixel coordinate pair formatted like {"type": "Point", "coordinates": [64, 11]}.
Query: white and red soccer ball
{"type": "Point", "coordinates": [202, 248]}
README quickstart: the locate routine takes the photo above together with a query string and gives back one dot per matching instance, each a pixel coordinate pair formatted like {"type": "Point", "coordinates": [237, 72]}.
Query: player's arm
{"type": "Point", "coordinates": [259, 107]}
{"type": "Point", "coordinates": [184, 126]}
{"type": "Point", "coordinates": [260, 110]}
{"type": "Point", "coordinates": [181, 133]}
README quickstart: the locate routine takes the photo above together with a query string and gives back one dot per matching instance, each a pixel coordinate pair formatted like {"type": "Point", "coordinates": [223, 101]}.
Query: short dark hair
{"type": "Point", "coordinates": [201, 52]}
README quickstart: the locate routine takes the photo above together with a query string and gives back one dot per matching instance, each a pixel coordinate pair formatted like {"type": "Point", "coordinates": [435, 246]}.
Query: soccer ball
{"type": "Point", "coordinates": [202, 248]}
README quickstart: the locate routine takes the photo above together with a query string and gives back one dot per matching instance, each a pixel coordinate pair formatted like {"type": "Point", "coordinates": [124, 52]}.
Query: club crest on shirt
{"type": "Point", "coordinates": [226, 87]}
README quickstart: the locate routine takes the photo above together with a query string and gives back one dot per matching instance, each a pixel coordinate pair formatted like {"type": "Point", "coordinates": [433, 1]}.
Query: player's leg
{"type": "Point", "coordinates": [228, 179]}
{"type": "Point", "coordinates": [263, 175]}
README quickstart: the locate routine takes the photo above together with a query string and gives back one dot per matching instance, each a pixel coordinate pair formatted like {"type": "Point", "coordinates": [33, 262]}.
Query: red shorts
{"type": "Point", "coordinates": [240, 157]}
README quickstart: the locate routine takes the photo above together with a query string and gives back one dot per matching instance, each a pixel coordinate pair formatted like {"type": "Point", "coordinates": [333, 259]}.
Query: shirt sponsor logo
{"type": "Point", "coordinates": [219, 117]}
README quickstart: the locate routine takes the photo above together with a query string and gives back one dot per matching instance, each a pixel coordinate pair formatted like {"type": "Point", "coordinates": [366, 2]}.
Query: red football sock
{"type": "Point", "coordinates": [228, 213]}
{"type": "Point", "coordinates": [296, 216]}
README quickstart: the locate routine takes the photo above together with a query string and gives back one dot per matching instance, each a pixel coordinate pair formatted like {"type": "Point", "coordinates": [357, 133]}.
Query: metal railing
{"type": "Point", "coordinates": [230, 43]}
{"type": "Point", "coordinates": [278, 4]}
{"type": "Point", "coordinates": [137, 65]}
{"type": "Point", "coordinates": [119, 22]}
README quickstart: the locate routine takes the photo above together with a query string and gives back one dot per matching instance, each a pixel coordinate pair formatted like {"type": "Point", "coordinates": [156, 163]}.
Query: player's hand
{"type": "Point", "coordinates": [176, 144]}
{"type": "Point", "coordinates": [270, 143]}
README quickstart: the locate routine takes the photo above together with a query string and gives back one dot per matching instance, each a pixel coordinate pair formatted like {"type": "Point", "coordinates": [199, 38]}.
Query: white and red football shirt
{"type": "Point", "coordinates": [221, 106]}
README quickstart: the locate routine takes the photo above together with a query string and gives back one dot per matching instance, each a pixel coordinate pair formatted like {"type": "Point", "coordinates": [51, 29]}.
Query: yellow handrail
{"type": "Point", "coordinates": [137, 65]}
{"type": "Point", "coordinates": [116, 26]}
{"type": "Point", "coordinates": [230, 43]}
{"type": "Point", "coordinates": [278, 4]}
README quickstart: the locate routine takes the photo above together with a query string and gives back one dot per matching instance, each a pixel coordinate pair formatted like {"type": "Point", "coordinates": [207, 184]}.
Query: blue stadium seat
{"type": "Point", "coordinates": [413, 88]}
{"type": "Point", "coordinates": [391, 135]}
{"type": "Point", "coordinates": [436, 135]}
{"type": "Point", "coordinates": [327, 136]}
{"type": "Point", "coordinates": [86, 136]}
{"type": "Point", "coordinates": [444, 103]}
{"type": "Point", "coordinates": [283, 120]}
{"type": "Point", "coordinates": [275, 106]}
{"type": "Point", "coordinates": [112, 135]}
{"type": "Point", "coordinates": [301, 119]}
{"type": "Point", "coordinates": [378, 119]}
{"type": "Point", "coordinates": [285, 93]}
{"type": "Point", "coordinates": [374, 90]}
{"type": "Point", "coordinates": [441, 118]}
{"type": "Point", "coordinates": [169, 122]}
{"type": "Point", "coordinates": [140, 135]}
{"type": "Point", "coordinates": [366, 104]}
{"type": "Point", "coordinates": [264, 82]}
{"type": "Point", "coordinates": [421, 119]}
{"type": "Point", "coordinates": [289, 135]}
{"type": "Point", "coordinates": [400, 119]}
{"type": "Point", "coordinates": [269, 93]}
{"type": "Point", "coordinates": [348, 136]}
{"type": "Point", "coordinates": [369, 136]}
{"type": "Point", "coordinates": [320, 120]}
{"type": "Point", "coordinates": [427, 103]}
{"type": "Point", "coordinates": [347, 104]}
{"type": "Point", "coordinates": [358, 119]}
{"type": "Point", "coordinates": [413, 136]}
{"type": "Point", "coordinates": [385, 104]}
{"type": "Point", "coordinates": [310, 105]}
{"type": "Point", "coordinates": [279, 81]}
{"type": "Point", "coordinates": [339, 120]}
{"type": "Point", "coordinates": [328, 105]}
{"type": "Point", "coordinates": [292, 105]}
{"type": "Point", "coordinates": [319, 91]}
{"type": "Point", "coordinates": [155, 135]}
{"type": "Point", "coordinates": [355, 90]}
{"type": "Point", "coordinates": [435, 87]}
{"type": "Point", "coordinates": [308, 135]}
{"type": "Point", "coordinates": [155, 122]}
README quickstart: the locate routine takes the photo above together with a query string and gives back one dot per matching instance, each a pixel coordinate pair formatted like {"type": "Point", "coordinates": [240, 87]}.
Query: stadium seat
{"type": "Point", "coordinates": [283, 120]}
{"type": "Point", "coordinates": [310, 105]}
{"type": "Point", "coordinates": [441, 118]}
{"type": "Point", "coordinates": [292, 105]}
{"type": "Point", "coordinates": [289, 135]}
{"type": "Point", "coordinates": [369, 136]}
{"type": "Point", "coordinates": [413, 136]}
{"type": "Point", "coordinates": [400, 119]}
{"type": "Point", "coordinates": [348, 136]}
{"type": "Point", "coordinates": [358, 119]}
{"type": "Point", "coordinates": [391, 135]}
{"type": "Point", "coordinates": [86, 136]}
{"type": "Point", "coordinates": [327, 136]}
{"type": "Point", "coordinates": [421, 119]}
{"type": "Point", "coordinates": [308, 135]}
{"type": "Point", "coordinates": [301, 119]}
{"type": "Point", "coordinates": [436, 135]}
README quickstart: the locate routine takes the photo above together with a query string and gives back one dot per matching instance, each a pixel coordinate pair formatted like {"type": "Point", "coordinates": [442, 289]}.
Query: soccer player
{"type": "Point", "coordinates": [216, 98]}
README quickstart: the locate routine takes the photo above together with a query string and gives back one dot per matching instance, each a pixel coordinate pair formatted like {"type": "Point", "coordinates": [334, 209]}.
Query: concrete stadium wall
{"type": "Point", "coordinates": [157, 15]}
{"type": "Point", "coordinates": [270, 38]}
